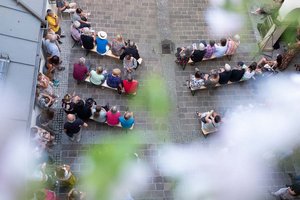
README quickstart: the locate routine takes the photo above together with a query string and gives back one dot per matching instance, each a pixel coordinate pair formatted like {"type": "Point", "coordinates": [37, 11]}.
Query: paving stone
{"type": "Point", "coordinates": [148, 23]}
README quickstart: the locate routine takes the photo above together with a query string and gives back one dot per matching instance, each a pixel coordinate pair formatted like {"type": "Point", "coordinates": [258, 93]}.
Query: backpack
{"type": "Point", "coordinates": [90, 102]}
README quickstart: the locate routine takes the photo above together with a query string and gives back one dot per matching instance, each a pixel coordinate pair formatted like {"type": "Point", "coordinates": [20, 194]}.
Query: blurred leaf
{"type": "Point", "coordinates": [106, 161]}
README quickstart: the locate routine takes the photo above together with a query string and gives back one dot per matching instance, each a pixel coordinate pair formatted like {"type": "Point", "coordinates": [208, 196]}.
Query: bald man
{"type": "Point", "coordinates": [73, 127]}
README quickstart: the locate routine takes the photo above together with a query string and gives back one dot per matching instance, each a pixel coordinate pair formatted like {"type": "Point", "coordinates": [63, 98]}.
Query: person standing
{"type": "Point", "coordinates": [53, 22]}
{"type": "Point", "coordinates": [73, 127]}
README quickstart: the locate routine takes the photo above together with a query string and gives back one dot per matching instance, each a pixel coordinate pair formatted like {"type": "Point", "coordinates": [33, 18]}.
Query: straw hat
{"type": "Point", "coordinates": [102, 35]}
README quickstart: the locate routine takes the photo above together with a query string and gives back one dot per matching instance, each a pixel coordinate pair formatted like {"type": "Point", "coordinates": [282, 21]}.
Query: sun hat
{"type": "Point", "coordinates": [102, 35]}
{"type": "Point", "coordinates": [201, 47]}
{"type": "Point", "coordinates": [227, 67]}
{"type": "Point", "coordinates": [76, 24]}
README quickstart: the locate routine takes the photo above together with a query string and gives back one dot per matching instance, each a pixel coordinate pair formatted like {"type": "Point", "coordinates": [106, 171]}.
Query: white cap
{"type": "Point", "coordinates": [227, 67]}
{"type": "Point", "coordinates": [201, 47]}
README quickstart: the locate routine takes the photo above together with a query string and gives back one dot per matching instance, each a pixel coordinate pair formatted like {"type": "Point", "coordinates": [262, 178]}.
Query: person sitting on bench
{"type": "Point", "coordinates": [45, 85]}
{"type": "Point", "coordinates": [272, 63]}
{"type": "Point", "coordinates": [83, 110]}
{"type": "Point", "coordinates": [221, 48]}
{"type": "Point", "coordinates": [97, 77]}
{"type": "Point", "coordinates": [249, 71]}
{"type": "Point", "coordinates": [44, 101]}
{"type": "Point", "coordinates": [210, 49]}
{"type": "Point", "coordinates": [237, 73]}
{"type": "Point", "coordinates": [75, 31]}
{"type": "Point", "coordinates": [52, 63]}
{"type": "Point", "coordinates": [232, 45]}
{"type": "Point", "coordinates": [88, 38]}
{"type": "Point", "coordinates": [130, 49]}
{"type": "Point", "coordinates": [224, 74]}
{"type": "Point", "coordinates": [198, 54]}
{"type": "Point", "coordinates": [197, 80]}
{"type": "Point", "coordinates": [183, 55]}
{"type": "Point", "coordinates": [118, 45]}
{"type": "Point", "coordinates": [127, 120]}
{"type": "Point", "coordinates": [112, 116]}
{"type": "Point", "coordinates": [210, 121]}
{"type": "Point", "coordinates": [81, 17]}
{"type": "Point", "coordinates": [102, 43]}
{"type": "Point", "coordinates": [114, 80]}
{"type": "Point", "coordinates": [99, 114]}
{"type": "Point", "coordinates": [213, 79]}
{"type": "Point", "coordinates": [129, 64]}
{"type": "Point", "coordinates": [130, 85]}
{"type": "Point", "coordinates": [65, 6]}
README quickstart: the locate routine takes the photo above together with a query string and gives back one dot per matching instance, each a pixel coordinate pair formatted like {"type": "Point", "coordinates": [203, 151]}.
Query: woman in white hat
{"type": "Point", "coordinates": [102, 43]}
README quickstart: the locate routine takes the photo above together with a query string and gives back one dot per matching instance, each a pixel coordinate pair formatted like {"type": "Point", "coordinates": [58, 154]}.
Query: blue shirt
{"type": "Point", "coordinates": [113, 81]}
{"type": "Point", "coordinates": [126, 123]}
{"type": "Point", "coordinates": [101, 45]}
{"type": "Point", "coordinates": [220, 51]}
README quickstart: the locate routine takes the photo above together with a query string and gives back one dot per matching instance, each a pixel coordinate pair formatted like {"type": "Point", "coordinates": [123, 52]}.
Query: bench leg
{"type": "Point", "coordinates": [74, 45]}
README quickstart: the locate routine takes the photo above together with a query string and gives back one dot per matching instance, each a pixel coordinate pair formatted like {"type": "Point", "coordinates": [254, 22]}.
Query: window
{"type": "Point", "coordinates": [4, 62]}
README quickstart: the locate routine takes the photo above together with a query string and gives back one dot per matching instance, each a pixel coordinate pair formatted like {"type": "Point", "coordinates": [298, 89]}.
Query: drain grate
{"type": "Point", "coordinates": [166, 46]}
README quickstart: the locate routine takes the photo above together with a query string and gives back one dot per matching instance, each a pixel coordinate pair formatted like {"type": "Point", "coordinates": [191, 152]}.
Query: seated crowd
{"type": "Point", "coordinates": [81, 71]}
{"type": "Point", "coordinates": [227, 74]}
{"type": "Point", "coordinates": [226, 47]}
{"type": "Point", "coordinates": [80, 111]}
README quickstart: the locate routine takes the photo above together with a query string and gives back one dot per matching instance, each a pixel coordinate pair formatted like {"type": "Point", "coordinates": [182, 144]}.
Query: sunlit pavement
{"type": "Point", "coordinates": [183, 23]}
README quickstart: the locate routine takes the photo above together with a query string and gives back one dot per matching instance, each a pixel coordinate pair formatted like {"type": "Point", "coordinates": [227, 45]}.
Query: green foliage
{"type": "Point", "coordinates": [154, 96]}
{"type": "Point", "coordinates": [106, 161]}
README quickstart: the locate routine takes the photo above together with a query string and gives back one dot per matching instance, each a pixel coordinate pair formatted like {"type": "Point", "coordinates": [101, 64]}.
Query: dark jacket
{"type": "Point", "coordinates": [236, 75]}
{"type": "Point", "coordinates": [130, 50]}
{"type": "Point", "coordinates": [224, 77]}
{"type": "Point", "coordinates": [198, 55]}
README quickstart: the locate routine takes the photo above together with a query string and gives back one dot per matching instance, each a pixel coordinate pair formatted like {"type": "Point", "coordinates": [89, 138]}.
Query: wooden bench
{"type": "Point", "coordinates": [118, 125]}
{"type": "Point", "coordinates": [212, 58]}
{"type": "Point", "coordinates": [206, 133]}
{"type": "Point", "coordinates": [109, 54]}
{"type": "Point", "coordinates": [101, 85]}
{"type": "Point", "coordinates": [193, 91]}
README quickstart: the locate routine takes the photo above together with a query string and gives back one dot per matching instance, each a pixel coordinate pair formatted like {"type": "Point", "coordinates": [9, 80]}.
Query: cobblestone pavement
{"type": "Point", "coordinates": [148, 23]}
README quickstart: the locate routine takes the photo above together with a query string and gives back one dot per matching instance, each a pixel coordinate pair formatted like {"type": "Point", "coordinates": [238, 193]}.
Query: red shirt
{"type": "Point", "coordinates": [130, 87]}
{"type": "Point", "coordinates": [79, 72]}
{"type": "Point", "coordinates": [112, 119]}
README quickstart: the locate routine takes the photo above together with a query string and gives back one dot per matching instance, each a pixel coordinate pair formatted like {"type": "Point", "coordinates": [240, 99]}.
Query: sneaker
{"type": "Point", "coordinates": [78, 139]}
{"type": "Point", "coordinates": [72, 139]}
{"type": "Point", "coordinates": [62, 36]}
{"type": "Point", "coordinates": [59, 42]}
{"type": "Point", "coordinates": [198, 114]}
